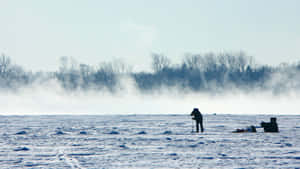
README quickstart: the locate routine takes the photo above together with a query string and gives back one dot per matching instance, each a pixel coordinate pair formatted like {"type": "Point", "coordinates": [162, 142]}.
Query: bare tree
{"type": "Point", "coordinates": [5, 64]}
{"type": "Point", "coordinates": [193, 61]}
{"type": "Point", "coordinates": [160, 62]}
{"type": "Point", "coordinates": [63, 64]}
{"type": "Point", "coordinates": [120, 67]}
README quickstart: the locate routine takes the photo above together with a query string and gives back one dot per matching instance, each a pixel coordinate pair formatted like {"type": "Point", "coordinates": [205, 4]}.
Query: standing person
{"type": "Point", "coordinates": [198, 118]}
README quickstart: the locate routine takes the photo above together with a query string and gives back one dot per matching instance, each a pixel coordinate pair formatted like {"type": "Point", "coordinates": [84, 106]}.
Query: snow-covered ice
{"type": "Point", "coordinates": [146, 141]}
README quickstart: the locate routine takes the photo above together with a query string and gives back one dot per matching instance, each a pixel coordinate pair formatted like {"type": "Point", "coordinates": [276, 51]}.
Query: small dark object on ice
{"type": "Point", "coordinates": [21, 133]}
{"type": "Point", "coordinates": [250, 129]}
{"type": "Point", "coordinates": [142, 132]}
{"type": "Point", "coordinates": [83, 132]}
{"type": "Point", "coordinates": [59, 133]}
{"type": "Point", "coordinates": [173, 154]}
{"type": "Point", "coordinates": [123, 146]}
{"type": "Point", "coordinates": [271, 126]}
{"type": "Point", "coordinates": [21, 149]}
{"type": "Point", "coordinates": [167, 132]}
{"type": "Point", "coordinates": [113, 132]}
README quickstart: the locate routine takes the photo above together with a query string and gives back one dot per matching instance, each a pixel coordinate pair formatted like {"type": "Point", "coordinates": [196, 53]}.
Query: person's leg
{"type": "Point", "coordinates": [201, 124]}
{"type": "Point", "coordinates": [197, 126]}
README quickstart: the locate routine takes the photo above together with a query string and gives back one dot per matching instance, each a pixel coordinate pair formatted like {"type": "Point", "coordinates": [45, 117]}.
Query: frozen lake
{"type": "Point", "coordinates": [146, 141]}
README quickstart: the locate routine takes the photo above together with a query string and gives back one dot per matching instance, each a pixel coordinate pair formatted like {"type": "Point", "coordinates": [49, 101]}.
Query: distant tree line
{"type": "Point", "coordinates": [208, 72]}
{"type": "Point", "coordinates": [213, 73]}
{"type": "Point", "coordinates": [12, 76]}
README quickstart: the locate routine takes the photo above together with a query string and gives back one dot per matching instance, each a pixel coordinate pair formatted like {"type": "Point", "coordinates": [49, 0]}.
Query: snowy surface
{"type": "Point", "coordinates": [146, 141]}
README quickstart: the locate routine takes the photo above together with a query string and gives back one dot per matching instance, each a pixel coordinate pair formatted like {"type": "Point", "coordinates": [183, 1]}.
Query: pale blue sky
{"type": "Point", "coordinates": [37, 33]}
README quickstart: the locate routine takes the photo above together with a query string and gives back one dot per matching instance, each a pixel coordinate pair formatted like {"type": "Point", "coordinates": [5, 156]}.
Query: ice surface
{"type": "Point", "coordinates": [146, 141]}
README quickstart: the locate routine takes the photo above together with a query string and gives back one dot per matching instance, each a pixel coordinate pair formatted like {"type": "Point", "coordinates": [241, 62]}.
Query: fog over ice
{"type": "Point", "coordinates": [54, 100]}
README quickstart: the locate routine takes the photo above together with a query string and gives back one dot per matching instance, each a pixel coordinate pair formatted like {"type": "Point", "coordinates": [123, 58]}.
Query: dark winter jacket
{"type": "Point", "coordinates": [197, 115]}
